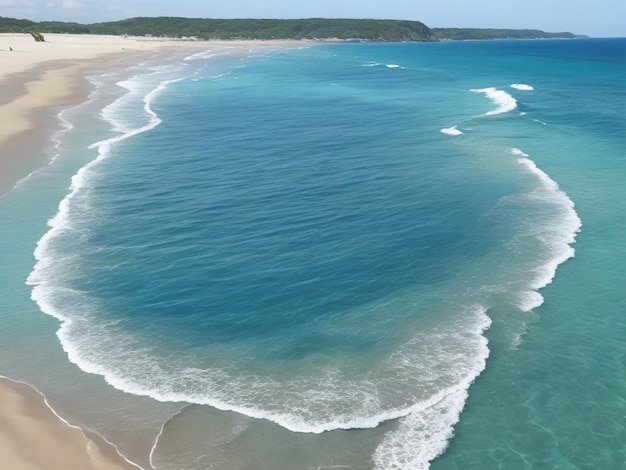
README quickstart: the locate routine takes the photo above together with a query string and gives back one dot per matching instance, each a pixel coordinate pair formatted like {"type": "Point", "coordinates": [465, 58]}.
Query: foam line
{"type": "Point", "coordinates": [451, 131]}
{"type": "Point", "coordinates": [502, 99]}
{"type": "Point", "coordinates": [557, 237]}
{"type": "Point", "coordinates": [522, 87]}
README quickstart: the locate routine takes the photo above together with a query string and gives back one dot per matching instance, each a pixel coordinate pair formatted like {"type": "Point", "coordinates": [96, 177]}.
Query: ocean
{"type": "Point", "coordinates": [363, 256]}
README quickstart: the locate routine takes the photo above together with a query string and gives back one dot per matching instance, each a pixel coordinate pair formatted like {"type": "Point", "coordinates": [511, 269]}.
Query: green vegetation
{"type": "Point", "coordinates": [11, 25]}
{"type": "Point", "coordinates": [474, 33]}
{"type": "Point", "coordinates": [315, 28]}
{"type": "Point", "coordinates": [312, 28]}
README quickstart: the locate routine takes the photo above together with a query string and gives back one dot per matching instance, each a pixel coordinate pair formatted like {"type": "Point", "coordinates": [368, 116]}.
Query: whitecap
{"type": "Point", "coordinates": [501, 98]}
{"type": "Point", "coordinates": [557, 238]}
{"type": "Point", "coordinates": [451, 131]}
{"type": "Point", "coordinates": [516, 151]}
{"type": "Point", "coordinates": [522, 87]}
{"type": "Point", "coordinates": [432, 426]}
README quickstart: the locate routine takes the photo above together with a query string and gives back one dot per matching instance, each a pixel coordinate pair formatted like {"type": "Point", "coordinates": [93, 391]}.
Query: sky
{"type": "Point", "coordinates": [597, 18]}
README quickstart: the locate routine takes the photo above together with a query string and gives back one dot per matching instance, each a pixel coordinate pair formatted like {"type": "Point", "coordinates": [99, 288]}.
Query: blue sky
{"type": "Point", "coordinates": [600, 18]}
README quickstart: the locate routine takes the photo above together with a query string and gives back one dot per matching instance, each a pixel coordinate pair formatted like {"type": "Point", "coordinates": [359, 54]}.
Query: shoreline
{"type": "Point", "coordinates": [31, 115]}
{"type": "Point", "coordinates": [37, 83]}
{"type": "Point", "coordinates": [39, 79]}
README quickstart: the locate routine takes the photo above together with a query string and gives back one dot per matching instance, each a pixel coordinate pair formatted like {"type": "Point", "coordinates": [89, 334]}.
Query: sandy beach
{"type": "Point", "coordinates": [38, 79]}
{"type": "Point", "coordinates": [35, 75]}
{"type": "Point", "coordinates": [33, 437]}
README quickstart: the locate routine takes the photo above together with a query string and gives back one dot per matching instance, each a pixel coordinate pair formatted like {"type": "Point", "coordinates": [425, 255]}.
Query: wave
{"type": "Point", "coordinates": [522, 87]}
{"type": "Point", "coordinates": [56, 139]}
{"type": "Point", "coordinates": [451, 131]}
{"type": "Point", "coordinates": [504, 100]}
{"type": "Point", "coordinates": [432, 427]}
{"type": "Point", "coordinates": [54, 267]}
{"type": "Point", "coordinates": [307, 404]}
{"type": "Point", "coordinates": [204, 55]}
{"type": "Point", "coordinates": [378, 64]}
{"type": "Point", "coordinates": [501, 98]}
{"type": "Point", "coordinates": [556, 237]}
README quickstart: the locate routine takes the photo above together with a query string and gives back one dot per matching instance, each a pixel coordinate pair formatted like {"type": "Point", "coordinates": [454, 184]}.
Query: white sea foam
{"type": "Point", "coordinates": [556, 237]}
{"type": "Point", "coordinates": [378, 64]}
{"type": "Point", "coordinates": [501, 98]}
{"type": "Point", "coordinates": [451, 131]}
{"type": "Point", "coordinates": [314, 405]}
{"type": "Point", "coordinates": [209, 53]}
{"type": "Point", "coordinates": [516, 151]}
{"type": "Point", "coordinates": [522, 87]}
{"type": "Point", "coordinates": [423, 434]}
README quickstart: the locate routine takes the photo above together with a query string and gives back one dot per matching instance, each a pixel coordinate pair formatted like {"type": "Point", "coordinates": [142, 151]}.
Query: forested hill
{"type": "Point", "coordinates": [312, 28]}
{"type": "Point", "coordinates": [477, 34]}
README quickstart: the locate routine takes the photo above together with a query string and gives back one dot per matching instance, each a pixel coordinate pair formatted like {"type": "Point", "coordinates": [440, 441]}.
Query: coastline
{"type": "Point", "coordinates": [39, 80]}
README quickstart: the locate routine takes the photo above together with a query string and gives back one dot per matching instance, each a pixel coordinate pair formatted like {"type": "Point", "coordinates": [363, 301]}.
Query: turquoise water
{"type": "Point", "coordinates": [348, 255]}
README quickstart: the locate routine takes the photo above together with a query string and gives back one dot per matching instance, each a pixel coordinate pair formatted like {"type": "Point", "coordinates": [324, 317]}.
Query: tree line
{"type": "Point", "coordinates": [311, 28]}
{"type": "Point", "coordinates": [315, 28]}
